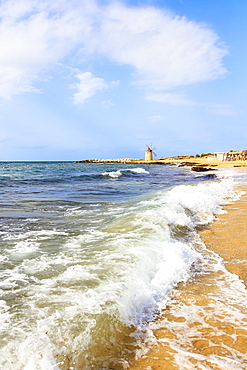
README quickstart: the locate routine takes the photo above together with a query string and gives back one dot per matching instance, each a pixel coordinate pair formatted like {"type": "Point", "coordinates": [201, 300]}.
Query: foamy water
{"type": "Point", "coordinates": [122, 172]}
{"type": "Point", "coordinates": [91, 255]}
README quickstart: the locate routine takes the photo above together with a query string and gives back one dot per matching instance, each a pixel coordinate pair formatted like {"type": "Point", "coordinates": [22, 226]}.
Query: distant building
{"type": "Point", "coordinates": [220, 156]}
{"type": "Point", "coordinates": [229, 156]}
{"type": "Point", "coordinates": [149, 154]}
{"type": "Point", "coordinates": [235, 155]}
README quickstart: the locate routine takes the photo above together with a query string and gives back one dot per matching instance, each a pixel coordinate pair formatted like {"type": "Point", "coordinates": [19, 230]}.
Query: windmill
{"type": "Point", "coordinates": [150, 151]}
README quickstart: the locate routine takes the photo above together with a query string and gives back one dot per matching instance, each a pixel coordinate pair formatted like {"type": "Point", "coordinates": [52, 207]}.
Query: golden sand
{"type": "Point", "coordinates": [203, 327]}
{"type": "Point", "coordinates": [170, 160]}
{"type": "Point", "coordinates": [231, 245]}
{"type": "Point", "coordinates": [209, 163]}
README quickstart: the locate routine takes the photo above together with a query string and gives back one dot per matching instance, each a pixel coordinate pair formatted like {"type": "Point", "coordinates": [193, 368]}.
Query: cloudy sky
{"type": "Point", "coordinates": [84, 79]}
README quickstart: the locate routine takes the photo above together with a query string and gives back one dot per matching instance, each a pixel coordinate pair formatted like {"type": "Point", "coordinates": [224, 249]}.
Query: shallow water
{"type": "Point", "coordinates": [91, 254]}
{"type": "Point", "coordinates": [204, 325]}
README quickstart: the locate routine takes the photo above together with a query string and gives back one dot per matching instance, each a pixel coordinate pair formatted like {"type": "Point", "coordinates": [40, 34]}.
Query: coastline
{"type": "Point", "coordinates": [212, 337]}
{"type": "Point", "coordinates": [190, 162]}
{"type": "Point", "coordinates": [230, 245]}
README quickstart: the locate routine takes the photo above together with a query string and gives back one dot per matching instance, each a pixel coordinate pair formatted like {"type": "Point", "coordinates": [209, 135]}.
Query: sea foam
{"type": "Point", "coordinates": [125, 171]}
{"type": "Point", "coordinates": [119, 273]}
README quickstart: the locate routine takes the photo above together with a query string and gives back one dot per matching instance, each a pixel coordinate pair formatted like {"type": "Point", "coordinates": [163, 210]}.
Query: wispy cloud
{"type": "Point", "coordinates": [164, 50]}
{"type": "Point", "coordinates": [4, 140]}
{"type": "Point", "coordinates": [34, 37]}
{"type": "Point", "coordinates": [171, 98]}
{"type": "Point", "coordinates": [146, 138]}
{"type": "Point", "coordinates": [107, 103]}
{"type": "Point", "coordinates": [226, 110]}
{"type": "Point", "coordinates": [33, 147]}
{"type": "Point", "coordinates": [157, 118]}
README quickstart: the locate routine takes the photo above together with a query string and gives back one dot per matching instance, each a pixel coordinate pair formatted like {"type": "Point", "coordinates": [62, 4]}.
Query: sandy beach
{"type": "Point", "coordinates": [203, 327]}
{"type": "Point", "coordinates": [207, 163]}
{"type": "Point", "coordinates": [227, 237]}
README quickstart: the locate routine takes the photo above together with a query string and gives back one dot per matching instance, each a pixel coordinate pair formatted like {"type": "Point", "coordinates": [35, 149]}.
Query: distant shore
{"type": "Point", "coordinates": [182, 161]}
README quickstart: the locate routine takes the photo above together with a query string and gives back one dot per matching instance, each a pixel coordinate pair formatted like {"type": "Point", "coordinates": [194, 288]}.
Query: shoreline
{"type": "Point", "coordinates": [212, 337]}
{"type": "Point", "coordinates": [230, 245]}
{"type": "Point", "coordinates": [180, 161]}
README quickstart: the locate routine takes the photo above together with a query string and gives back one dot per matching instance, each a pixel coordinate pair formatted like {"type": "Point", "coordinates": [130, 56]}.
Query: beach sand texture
{"type": "Point", "coordinates": [205, 324]}
{"type": "Point", "coordinates": [228, 237]}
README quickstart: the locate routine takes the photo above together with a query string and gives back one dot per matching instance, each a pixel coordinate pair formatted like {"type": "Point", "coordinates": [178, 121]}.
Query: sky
{"type": "Point", "coordinates": [86, 79]}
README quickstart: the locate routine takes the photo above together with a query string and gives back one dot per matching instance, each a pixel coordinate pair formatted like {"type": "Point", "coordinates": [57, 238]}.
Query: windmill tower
{"type": "Point", "coordinates": [149, 153]}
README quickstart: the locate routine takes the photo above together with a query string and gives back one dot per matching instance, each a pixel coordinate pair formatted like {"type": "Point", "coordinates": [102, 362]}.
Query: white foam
{"type": "Point", "coordinates": [76, 273]}
{"type": "Point", "coordinates": [113, 174]}
{"type": "Point", "coordinates": [36, 353]}
{"type": "Point", "coordinates": [138, 170]}
{"type": "Point", "coordinates": [119, 173]}
{"type": "Point", "coordinates": [77, 211]}
{"type": "Point", "coordinates": [160, 267]}
{"type": "Point", "coordinates": [24, 249]}
{"type": "Point", "coordinates": [227, 295]}
{"type": "Point", "coordinates": [35, 235]}
{"type": "Point", "coordinates": [189, 205]}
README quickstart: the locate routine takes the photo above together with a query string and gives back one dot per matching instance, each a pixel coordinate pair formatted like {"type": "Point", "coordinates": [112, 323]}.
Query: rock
{"type": "Point", "coordinates": [201, 169]}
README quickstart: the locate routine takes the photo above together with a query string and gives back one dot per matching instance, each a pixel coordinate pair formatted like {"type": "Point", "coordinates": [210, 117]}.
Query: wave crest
{"type": "Point", "coordinates": [125, 172]}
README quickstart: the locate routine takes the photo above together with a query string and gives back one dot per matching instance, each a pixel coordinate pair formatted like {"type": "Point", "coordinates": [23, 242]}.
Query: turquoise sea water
{"type": "Point", "coordinates": [90, 255]}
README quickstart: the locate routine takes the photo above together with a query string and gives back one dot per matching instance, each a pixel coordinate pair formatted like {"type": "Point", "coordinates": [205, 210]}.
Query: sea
{"type": "Point", "coordinates": [91, 255]}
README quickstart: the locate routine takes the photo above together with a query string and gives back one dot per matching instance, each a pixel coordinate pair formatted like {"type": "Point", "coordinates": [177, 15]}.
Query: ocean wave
{"type": "Point", "coordinates": [125, 172]}
{"type": "Point", "coordinates": [165, 225]}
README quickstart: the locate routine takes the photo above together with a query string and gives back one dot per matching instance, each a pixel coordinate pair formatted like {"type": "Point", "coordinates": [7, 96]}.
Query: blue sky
{"type": "Point", "coordinates": [102, 79]}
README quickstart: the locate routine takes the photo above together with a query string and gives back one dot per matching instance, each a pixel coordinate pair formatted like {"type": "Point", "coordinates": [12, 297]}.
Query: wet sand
{"type": "Point", "coordinates": [205, 324]}
{"type": "Point", "coordinates": [231, 245]}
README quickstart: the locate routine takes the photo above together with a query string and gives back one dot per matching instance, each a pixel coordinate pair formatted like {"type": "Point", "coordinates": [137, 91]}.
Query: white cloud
{"type": "Point", "coordinates": [34, 36]}
{"type": "Point", "coordinates": [157, 118]}
{"type": "Point", "coordinates": [107, 103]}
{"type": "Point", "coordinates": [171, 98]}
{"type": "Point", "coordinates": [165, 51]}
{"type": "Point", "coordinates": [87, 87]}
